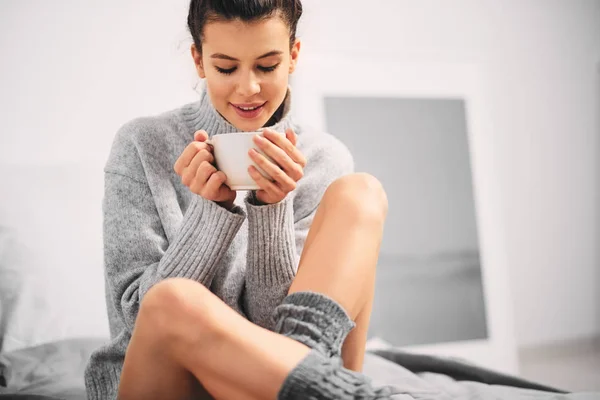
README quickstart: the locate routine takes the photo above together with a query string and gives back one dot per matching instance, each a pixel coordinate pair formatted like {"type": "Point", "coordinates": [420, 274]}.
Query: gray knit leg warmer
{"type": "Point", "coordinates": [321, 324]}
{"type": "Point", "coordinates": [321, 378]}
{"type": "Point", "coordinates": [315, 320]}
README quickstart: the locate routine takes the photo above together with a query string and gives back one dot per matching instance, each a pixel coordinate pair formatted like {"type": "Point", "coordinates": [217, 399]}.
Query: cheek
{"type": "Point", "coordinates": [220, 87]}
{"type": "Point", "coordinates": [278, 83]}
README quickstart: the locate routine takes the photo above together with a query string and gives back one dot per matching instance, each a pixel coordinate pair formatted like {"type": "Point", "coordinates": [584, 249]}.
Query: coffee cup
{"type": "Point", "coordinates": [231, 157]}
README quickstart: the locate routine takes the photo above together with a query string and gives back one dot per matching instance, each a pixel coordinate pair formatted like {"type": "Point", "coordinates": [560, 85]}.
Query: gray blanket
{"type": "Point", "coordinates": [55, 371]}
{"type": "Point", "coordinates": [435, 378]}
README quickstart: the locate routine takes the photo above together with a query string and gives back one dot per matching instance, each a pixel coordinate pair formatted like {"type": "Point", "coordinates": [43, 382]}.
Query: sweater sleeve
{"type": "Point", "coordinates": [137, 253]}
{"type": "Point", "coordinates": [277, 232]}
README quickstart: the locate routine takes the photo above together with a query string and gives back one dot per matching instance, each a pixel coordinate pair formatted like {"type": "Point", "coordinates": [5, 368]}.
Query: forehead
{"type": "Point", "coordinates": [241, 39]}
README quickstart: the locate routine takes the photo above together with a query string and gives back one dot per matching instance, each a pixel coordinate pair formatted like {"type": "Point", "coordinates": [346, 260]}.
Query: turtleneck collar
{"type": "Point", "coordinates": [203, 115]}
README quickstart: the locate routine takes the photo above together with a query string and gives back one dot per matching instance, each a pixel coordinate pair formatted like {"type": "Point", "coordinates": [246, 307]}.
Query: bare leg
{"type": "Point", "coordinates": [182, 327]}
{"type": "Point", "coordinates": [188, 328]}
{"type": "Point", "coordinates": [341, 251]}
{"type": "Point", "coordinates": [353, 350]}
{"type": "Point", "coordinates": [149, 371]}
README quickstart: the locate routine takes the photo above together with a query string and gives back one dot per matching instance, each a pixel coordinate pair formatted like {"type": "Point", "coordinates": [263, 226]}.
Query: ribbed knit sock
{"type": "Point", "coordinates": [320, 378]}
{"type": "Point", "coordinates": [314, 320]}
{"type": "Point", "coordinates": [321, 324]}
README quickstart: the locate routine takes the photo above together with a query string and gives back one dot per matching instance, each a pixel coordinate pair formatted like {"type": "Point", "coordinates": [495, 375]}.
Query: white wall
{"type": "Point", "coordinates": [540, 58]}
{"type": "Point", "coordinates": [71, 72]}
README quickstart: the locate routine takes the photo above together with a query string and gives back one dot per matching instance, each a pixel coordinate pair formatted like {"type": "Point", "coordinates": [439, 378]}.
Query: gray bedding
{"type": "Point", "coordinates": [55, 371]}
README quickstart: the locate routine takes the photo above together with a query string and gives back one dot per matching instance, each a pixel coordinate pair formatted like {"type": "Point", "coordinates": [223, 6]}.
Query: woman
{"type": "Point", "coordinates": [205, 290]}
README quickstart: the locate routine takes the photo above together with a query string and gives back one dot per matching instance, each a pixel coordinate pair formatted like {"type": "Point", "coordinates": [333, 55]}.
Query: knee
{"type": "Point", "coordinates": [175, 307]}
{"type": "Point", "coordinates": [360, 195]}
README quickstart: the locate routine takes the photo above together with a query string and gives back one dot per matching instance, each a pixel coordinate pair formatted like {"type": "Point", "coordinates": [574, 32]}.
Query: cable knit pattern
{"type": "Point", "coordinates": [322, 324]}
{"type": "Point", "coordinates": [315, 320]}
{"type": "Point", "coordinates": [320, 378]}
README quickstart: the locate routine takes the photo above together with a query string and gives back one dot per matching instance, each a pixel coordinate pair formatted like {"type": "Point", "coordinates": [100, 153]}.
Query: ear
{"type": "Point", "coordinates": [197, 56]}
{"type": "Point", "coordinates": [294, 54]}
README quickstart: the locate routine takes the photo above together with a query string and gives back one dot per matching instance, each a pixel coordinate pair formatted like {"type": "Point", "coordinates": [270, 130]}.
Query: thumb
{"type": "Point", "coordinates": [201, 136]}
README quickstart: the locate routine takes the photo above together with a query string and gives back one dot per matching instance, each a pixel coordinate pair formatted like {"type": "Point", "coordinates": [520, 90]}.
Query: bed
{"type": "Point", "coordinates": [55, 371]}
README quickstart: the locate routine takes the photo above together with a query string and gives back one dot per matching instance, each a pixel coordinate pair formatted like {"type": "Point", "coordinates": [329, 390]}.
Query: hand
{"type": "Point", "coordinates": [287, 170]}
{"type": "Point", "coordinates": [196, 168]}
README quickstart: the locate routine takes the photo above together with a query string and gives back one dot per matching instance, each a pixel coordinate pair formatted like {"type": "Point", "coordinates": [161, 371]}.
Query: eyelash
{"type": "Point", "coordinates": [232, 70]}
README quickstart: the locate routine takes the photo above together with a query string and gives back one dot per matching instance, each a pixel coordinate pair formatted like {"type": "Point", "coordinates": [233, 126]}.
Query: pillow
{"type": "Point", "coordinates": [52, 219]}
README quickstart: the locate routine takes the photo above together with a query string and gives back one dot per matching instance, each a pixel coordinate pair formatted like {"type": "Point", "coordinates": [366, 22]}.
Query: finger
{"type": "Point", "coordinates": [291, 136]}
{"type": "Point", "coordinates": [216, 188]}
{"type": "Point", "coordinates": [271, 149]}
{"type": "Point", "coordinates": [189, 173]}
{"type": "Point", "coordinates": [281, 159]}
{"type": "Point", "coordinates": [201, 136]}
{"type": "Point", "coordinates": [271, 188]}
{"type": "Point", "coordinates": [284, 181]}
{"type": "Point", "coordinates": [187, 156]}
{"type": "Point", "coordinates": [203, 174]}
{"type": "Point", "coordinates": [279, 140]}
{"type": "Point", "coordinates": [298, 156]}
{"type": "Point", "coordinates": [286, 145]}
{"type": "Point", "coordinates": [282, 152]}
{"type": "Point", "coordinates": [204, 154]}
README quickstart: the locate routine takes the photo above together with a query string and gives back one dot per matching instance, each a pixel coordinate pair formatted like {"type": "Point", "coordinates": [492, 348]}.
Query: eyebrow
{"type": "Point", "coordinates": [226, 57]}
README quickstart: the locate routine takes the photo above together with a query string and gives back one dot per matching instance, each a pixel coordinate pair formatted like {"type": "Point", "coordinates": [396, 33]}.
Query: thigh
{"type": "Point", "coordinates": [185, 334]}
{"type": "Point", "coordinates": [150, 372]}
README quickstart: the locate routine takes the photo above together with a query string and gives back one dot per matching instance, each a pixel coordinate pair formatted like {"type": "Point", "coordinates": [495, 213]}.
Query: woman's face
{"type": "Point", "coordinates": [246, 67]}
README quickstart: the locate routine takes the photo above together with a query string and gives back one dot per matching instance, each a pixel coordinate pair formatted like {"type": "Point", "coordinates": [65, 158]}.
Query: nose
{"type": "Point", "coordinates": [248, 85]}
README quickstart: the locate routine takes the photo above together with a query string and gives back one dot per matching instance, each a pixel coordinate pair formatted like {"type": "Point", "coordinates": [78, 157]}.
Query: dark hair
{"type": "Point", "coordinates": [203, 11]}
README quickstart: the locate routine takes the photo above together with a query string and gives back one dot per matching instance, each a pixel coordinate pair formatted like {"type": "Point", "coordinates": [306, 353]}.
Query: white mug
{"type": "Point", "coordinates": [231, 157]}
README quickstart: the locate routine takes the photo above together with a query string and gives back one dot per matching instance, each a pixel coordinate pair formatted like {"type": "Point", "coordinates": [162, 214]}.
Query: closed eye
{"type": "Point", "coordinates": [227, 71]}
{"type": "Point", "coordinates": [268, 69]}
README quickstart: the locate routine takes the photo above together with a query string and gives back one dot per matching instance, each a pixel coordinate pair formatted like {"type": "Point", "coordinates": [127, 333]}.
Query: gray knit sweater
{"type": "Point", "coordinates": [155, 228]}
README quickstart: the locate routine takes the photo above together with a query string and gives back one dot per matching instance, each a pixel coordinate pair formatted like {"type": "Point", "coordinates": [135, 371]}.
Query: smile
{"type": "Point", "coordinates": [248, 111]}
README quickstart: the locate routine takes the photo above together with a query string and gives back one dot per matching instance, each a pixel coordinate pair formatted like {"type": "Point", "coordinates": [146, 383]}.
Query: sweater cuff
{"type": "Point", "coordinates": [271, 242]}
{"type": "Point", "coordinates": [206, 232]}
{"type": "Point", "coordinates": [102, 383]}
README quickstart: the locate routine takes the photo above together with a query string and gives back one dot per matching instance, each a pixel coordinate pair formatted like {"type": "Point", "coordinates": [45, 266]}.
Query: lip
{"type": "Point", "coordinates": [249, 105]}
{"type": "Point", "coordinates": [249, 114]}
